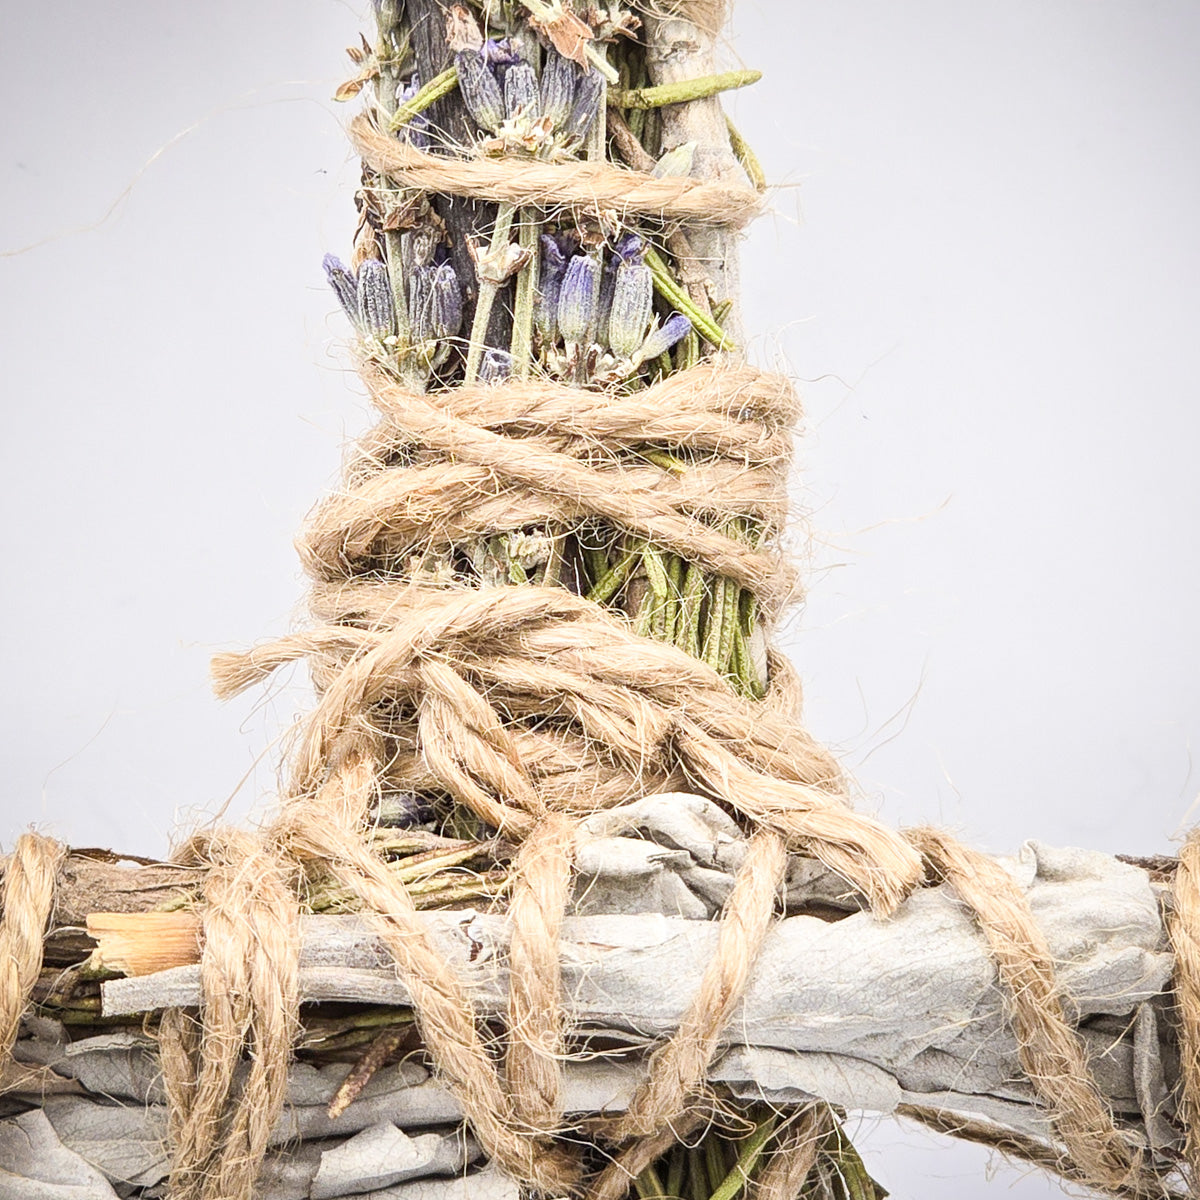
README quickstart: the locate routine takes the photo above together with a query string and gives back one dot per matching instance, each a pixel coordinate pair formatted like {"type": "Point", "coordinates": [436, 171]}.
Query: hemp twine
{"type": "Point", "coordinates": [1184, 927]}
{"type": "Point", "coordinates": [579, 185]}
{"type": "Point", "coordinates": [534, 707]}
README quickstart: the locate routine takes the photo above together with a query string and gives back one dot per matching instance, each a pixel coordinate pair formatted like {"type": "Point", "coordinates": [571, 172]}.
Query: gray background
{"type": "Point", "coordinates": [982, 264]}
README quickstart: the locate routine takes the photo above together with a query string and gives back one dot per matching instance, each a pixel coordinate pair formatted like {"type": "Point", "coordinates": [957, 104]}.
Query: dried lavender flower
{"type": "Point", "coordinates": [496, 366]}
{"type": "Point", "coordinates": [417, 247]}
{"type": "Point", "coordinates": [420, 286]}
{"type": "Point", "coordinates": [521, 92]}
{"type": "Point", "coordinates": [376, 314]}
{"type": "Point", "coordinates": [588, 94]}
{"type": "Point", "coordinates": [500, 52]}
{"type": "Point", "coordinates": [630, 248]}
{"type": "Point", "coordinates": [550, 276]}
{"type": "Point", "coordinates": [342, 280]}
{"type": "Point", "coordinates": [608, 284]}
{"type": "Point", "coordinates": [660, 340]}
{"type": "Point", "coordinates": [479, 89]}
{"type": "Point", "coordinates": [577, 297]}
{"type": "Point", "coordinates": [632, 306]}
{"type": "Point", "coordinates": [559, 80]}
{"type": "Point", "coordinates": [445, 302]}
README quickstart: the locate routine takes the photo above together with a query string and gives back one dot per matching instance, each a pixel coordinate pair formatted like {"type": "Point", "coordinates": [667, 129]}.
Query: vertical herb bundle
{"type": "Point", "coordinates": [448, 292]}
{"type": "Point", "coordinates": [445, 291]}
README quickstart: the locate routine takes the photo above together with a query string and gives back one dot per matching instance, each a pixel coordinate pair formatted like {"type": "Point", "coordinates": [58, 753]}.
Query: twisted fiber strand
{"type": "Point", "coordinates": [578, 185]}
{"type": "Point", "coordinates": [668, 708]}
{"type": "Point", "coordinates": [434, 474]}
{"type": "Point", "coordinates": [443, 1011]}
{"type": "Point", "coordinates": [720, 406]}
{"type": "Point", "coordinates": [434, 506]}
{"type": "Point", "coordinates": [28, 900]}
{"type": "Point", "coordinates": [1184, 927]}
{"type": "Point", "coordinates": [1051, 1052]}
{"type": "Point", "coordinates": [678, 1067]}
{"type": "Point", "coordinates": [537, 1044]}
{"type": "Point", "coordinates": [249, 972]}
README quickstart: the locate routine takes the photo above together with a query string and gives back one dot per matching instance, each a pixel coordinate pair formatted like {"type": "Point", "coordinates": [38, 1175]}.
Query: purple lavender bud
{"type": "Point", "coordinates": [550, 276]}
{"type": "Point", "coordinates": [500, 52]}
{"type": "Point", "coordinates": [521, 92]}
{"type": "Point", "coordinates": [662, 339]}
{"type": "Point", "coordinates": [375, 309]}
{"type": "Point", "coordinates": [608, 284]}
{"type": "Point", "coordinates": [420, 286]}
{"type": "Point", "coordinates": [632, 305]}
{"type": "Point", "coordinates": [416, 129]}
{"type": "Point", "coordinates": [479, 90]}
{"type": "Point", "coordinates": [559, 80]}
{"type": "Point", "coordinates": [496, 366]}
{"type": "Point", "coordinates": [410, 89]}
{"type": "Point", "coordinates": [577, 297]}
{"type": "Point", "coordinates": [445, 302]}
{"type": "Point", "coordinates": [630, 248]}
{"type": "Point", "coordinates": [341, 279]}
{"type": "Point", "coordinates": [586, 106]}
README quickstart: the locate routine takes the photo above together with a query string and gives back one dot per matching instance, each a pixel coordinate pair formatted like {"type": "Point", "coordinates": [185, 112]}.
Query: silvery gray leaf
{"type": "Point", "coordinates": [35, 1165]}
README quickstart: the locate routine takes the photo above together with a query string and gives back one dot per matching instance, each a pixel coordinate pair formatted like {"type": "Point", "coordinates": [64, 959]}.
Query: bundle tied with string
{"type": "Point", "coordinates": [529, 708]}
{"type": "Point", "coordinates": [533, 707]}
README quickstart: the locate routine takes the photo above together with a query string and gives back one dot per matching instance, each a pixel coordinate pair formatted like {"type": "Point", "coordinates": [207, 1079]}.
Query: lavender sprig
{"type": "Point", "coordinates": [375, 310]}
{"type": "Point", "coordinates": [479, 89]}
{"type": "Point", "coordinates": [344, 285]}
{"type": "Point", "coordinates": [553, 268]}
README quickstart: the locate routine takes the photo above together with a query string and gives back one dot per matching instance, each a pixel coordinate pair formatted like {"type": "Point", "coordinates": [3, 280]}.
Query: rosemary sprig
{"type": "Point", "coordinates": [682, 91]}
{"type": "Point", "coordinates": [429, 94]}
{"type": "Point", "coordinates": [673, 294]}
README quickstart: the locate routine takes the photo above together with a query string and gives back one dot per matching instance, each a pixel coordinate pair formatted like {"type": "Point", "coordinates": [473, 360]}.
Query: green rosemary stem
{"type": "Point", "coordinates": [729, 624]}
{"type": "Point", "coordinates": [675, 1172]}
{"type": "Point", "coordinates": [713, 1161]}
{"type": "Point", "coordinates": [752, 1150]}
{"type": "Point", "coordinates": [746, 156]}
{"type": "Point", "coordinates": [439, 86]}
{"type": "Point", "coordinates": [689, 351]}
{"type": "Point", "coordinates": [674, 295]}
{"type": "Point", "coordinates": [487, 293]}
{"type": "Point", "coordinates": [687, 636]}
{"type": "Point", "coordinates": [682, 91]}
{"type": "Point", "coordinates": [711, 650]}
{"type": "Point", "coordinates": [605, 588]}
{"type": "Point", "coordinates": [648, 1185]}
{"type": "Point", "coordinates": [848, 1163]}
{"type": "Point", "coordinates": [522, 335]}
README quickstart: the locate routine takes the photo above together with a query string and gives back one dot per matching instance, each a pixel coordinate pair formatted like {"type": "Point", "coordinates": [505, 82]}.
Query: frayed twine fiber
{"type": "Point", "coordinates": [579, 186]}
{"type": "Point", "coordinates": [450, 467]}
{"type": "Point", "coordinates": [28, 900]}
{"type": "Point", "coordinates": [1184, 927]}
{"type": "Point", "coordinates": [534, 707]}
{"type": "Point", "coordinates": [1051, 1052]}
{"type": "Point", "coordinates": [430, 686]}
{"type": "Point", "coordinates": [249, 971]}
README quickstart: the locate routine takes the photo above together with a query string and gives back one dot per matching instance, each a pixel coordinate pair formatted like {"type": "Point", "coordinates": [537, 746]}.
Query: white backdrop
{"type": "Point", "coordinates": [982, 264]}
